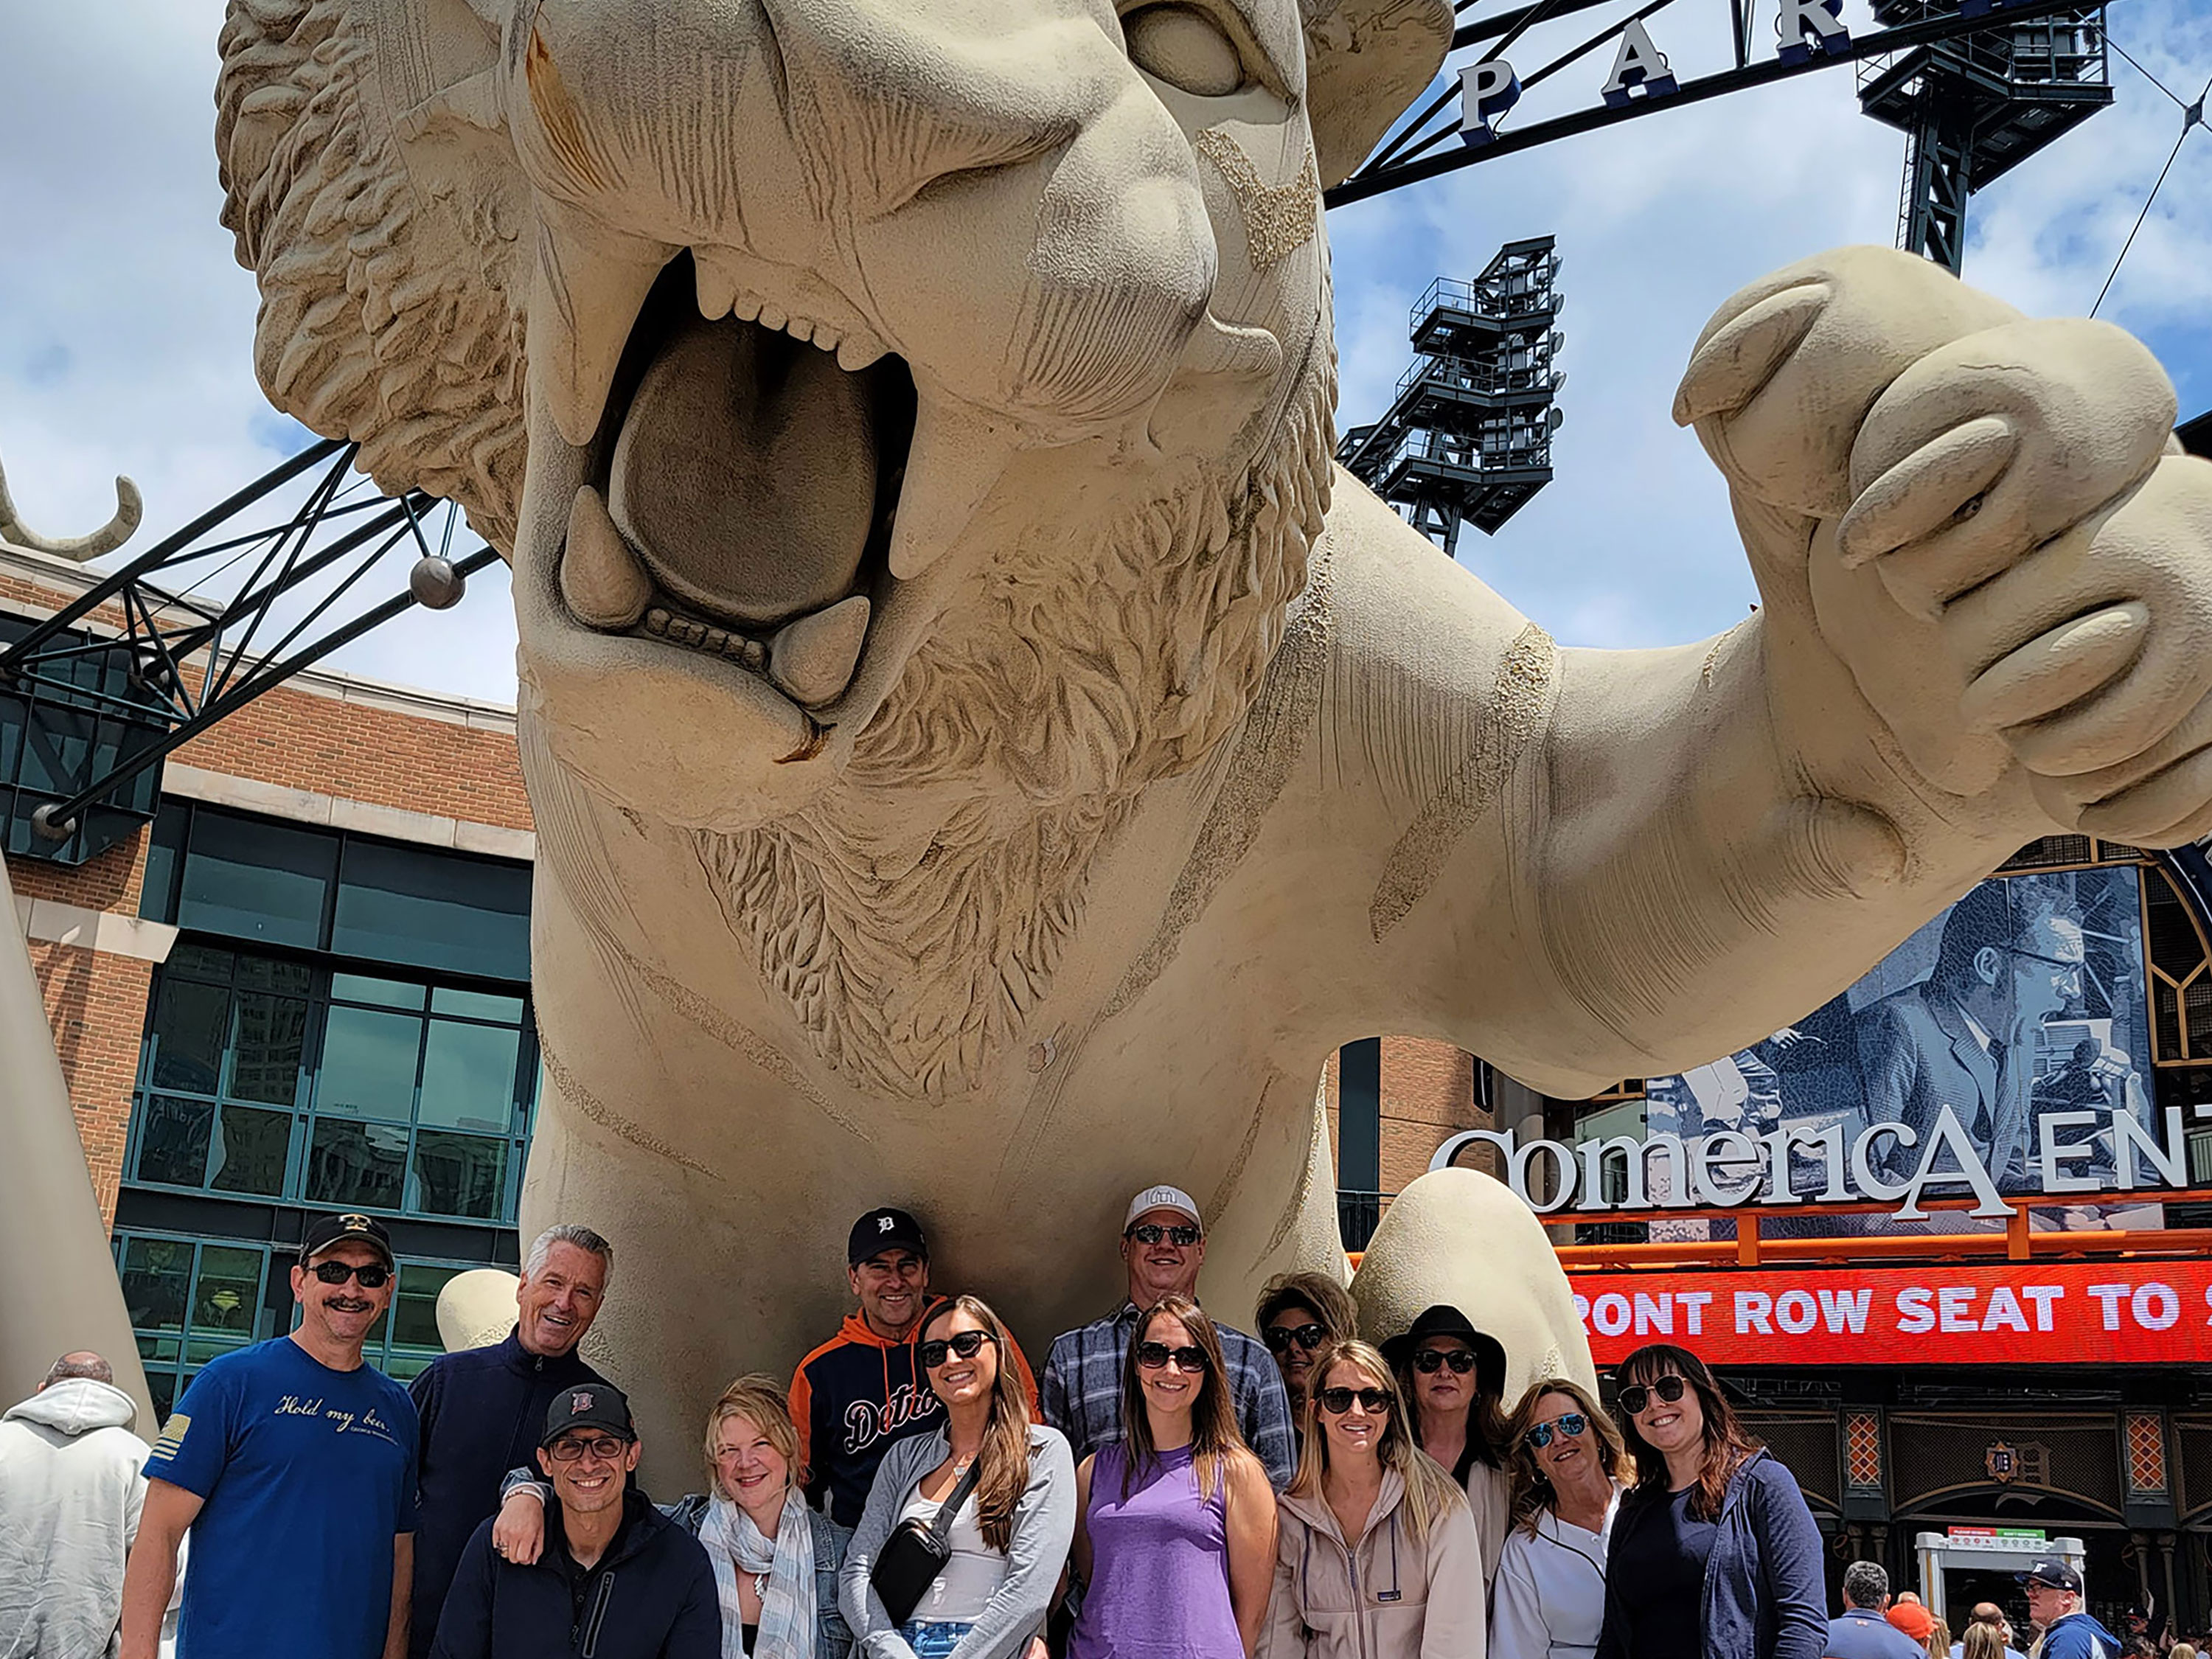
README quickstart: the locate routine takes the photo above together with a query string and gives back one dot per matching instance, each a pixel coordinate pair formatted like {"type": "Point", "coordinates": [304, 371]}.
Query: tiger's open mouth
{"type": "Point", "coordinates": [744, 495]}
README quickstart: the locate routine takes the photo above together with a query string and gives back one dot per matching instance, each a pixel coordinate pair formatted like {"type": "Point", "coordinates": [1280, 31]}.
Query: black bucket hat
{"type": "Point", "coordinates": [1443, 1320]}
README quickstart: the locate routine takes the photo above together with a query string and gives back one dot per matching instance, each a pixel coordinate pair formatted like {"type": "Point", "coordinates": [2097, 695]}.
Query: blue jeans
{"type": "Point", "coordinates": [933, 1640]}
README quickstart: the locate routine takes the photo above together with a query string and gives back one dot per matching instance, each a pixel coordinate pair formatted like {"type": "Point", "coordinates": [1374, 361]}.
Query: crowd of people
{"type": "Point", "coordinates": [1168, 1487]}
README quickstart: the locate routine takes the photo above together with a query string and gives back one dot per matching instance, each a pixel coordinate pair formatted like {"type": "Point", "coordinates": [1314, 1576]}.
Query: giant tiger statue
{"type": "Point", "coordinates": [984, 755]}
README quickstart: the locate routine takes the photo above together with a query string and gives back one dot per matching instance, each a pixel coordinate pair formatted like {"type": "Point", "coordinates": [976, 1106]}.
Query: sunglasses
{"type": "Point", "coordinates": [1337, 1402]}
{"type": "Point", "coordinates": [1279, 1337]}
{"type": "Point", "coordinates": [1429, 1361]}
{"type": "Point", "coordinates": [1570, 1424]}
{"type": "Point", "coordinates": [1151, 1233]}
{"type": "Point", "coordinates": [1634, 1397]}
{"type": "Point", "coordinates": [966, 1344]}
{"type": "Point", "coordinates": [606, 1448]}
{"type": "Point", "coordinates": [372, 1278]}
{"type": "Point", "coordinates": [1155, 1356]}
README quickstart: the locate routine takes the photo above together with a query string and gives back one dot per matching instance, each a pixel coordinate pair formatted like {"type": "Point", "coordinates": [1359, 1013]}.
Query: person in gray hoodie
{"type": "Point", "coordinates": [1715, 1554]}
{"type": "Point", "coordinates": [70, 1492]}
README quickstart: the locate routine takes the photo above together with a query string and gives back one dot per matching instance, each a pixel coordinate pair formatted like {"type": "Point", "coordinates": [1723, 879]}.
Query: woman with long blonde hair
{"type": "Point", "coordinates": [1177, 1527]}
{"type": "Point", "coordinates": [1375, 1556]}
{"type": "Point", "coordinates": [1570, 1468]}
{"type": "Point", "coordinates": [1009, 1535]}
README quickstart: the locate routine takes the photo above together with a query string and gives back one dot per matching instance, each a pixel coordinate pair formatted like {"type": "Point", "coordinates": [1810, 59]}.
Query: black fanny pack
{"type": "Point", "coordinates": [914, 1554]}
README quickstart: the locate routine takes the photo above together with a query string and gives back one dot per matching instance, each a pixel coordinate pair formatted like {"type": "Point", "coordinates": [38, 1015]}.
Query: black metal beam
{"type": "Point", "coordinates": [1363, 185]}
{"type": "Point", "coordinates": [59, 819]}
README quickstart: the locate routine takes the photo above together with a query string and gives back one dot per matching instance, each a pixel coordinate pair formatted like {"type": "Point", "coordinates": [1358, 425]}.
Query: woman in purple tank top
{"type": "Point", "coordinates": [1174, 1535]}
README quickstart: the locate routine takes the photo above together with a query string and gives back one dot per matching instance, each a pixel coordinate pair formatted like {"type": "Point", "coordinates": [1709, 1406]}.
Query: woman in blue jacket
{"type": "Point", "coordinates": [1714, 1555]}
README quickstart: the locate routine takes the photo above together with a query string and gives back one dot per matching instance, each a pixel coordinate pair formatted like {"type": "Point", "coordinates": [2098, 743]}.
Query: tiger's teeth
{"type": "Point", "coordinates": [746, 308]}
{"type": "Point", "coordinates": [717, 290]}
{"type": "Point", "coordinates": [812, 659]}
{"type": "Point", "coordinates": [774, 317]}
{"type": "Point", "coordinates": [601, 580]}
{"type": "Point", "coordinates": [855, 354]}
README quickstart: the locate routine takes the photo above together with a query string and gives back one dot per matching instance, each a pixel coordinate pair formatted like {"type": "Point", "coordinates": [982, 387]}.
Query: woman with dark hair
{"type": "Point", "coordinates": [1455, 1377]}
{"type": "Point", "coordinates": [1176, 1532]}
{"type": "Point", "coordinates": [1010, 1536]}
{"type": "Point", "coordinates": [1376, 1558]}
{"type": "Point", "coordinates": [1569, 1471]}
{"type": "Point", "coordinates": [1715, 1555]}
{"type": "Point", "coordinates": [1299, 1315]}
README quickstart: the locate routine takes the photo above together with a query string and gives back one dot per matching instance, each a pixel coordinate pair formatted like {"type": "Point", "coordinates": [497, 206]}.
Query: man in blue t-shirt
{"type": "Point", "coordinates": [292, 1464]}
{"type": "Point", "coordinates": [1864, 1633]}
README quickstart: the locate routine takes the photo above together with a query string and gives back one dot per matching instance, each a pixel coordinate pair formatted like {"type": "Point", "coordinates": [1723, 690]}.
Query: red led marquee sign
{"type": "Point", "coordinates": [2042, 1313]}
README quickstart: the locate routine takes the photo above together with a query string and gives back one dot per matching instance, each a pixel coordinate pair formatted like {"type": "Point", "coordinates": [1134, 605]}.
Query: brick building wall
{"type": "Point", "coordinates": [324, 748]}
{"type": "Point", "coordinates": [1427, 1095]}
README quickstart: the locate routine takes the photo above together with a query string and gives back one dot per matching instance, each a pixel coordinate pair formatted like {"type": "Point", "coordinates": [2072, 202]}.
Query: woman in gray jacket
{"type": "Point", "coordinates": [1010, 1536]}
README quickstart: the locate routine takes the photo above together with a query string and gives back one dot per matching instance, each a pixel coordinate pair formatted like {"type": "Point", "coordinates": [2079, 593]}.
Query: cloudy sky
{"type": "Point", "coordinates": [125, 328]}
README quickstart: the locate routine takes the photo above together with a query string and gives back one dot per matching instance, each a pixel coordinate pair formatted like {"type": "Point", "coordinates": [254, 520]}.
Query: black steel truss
{"type": "Point", "coordinates": [1428, 145]}
{"type": "Point", "coordinates": [187, 661]}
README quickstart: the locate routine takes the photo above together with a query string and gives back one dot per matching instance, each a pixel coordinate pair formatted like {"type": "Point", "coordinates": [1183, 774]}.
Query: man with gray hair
{"type": "Point", "coordinates": [482, 1408]}
{"type": "Point", "coordinates": [1862, 1633]}
{"type": "Point", "coordinates": [71, 1488]}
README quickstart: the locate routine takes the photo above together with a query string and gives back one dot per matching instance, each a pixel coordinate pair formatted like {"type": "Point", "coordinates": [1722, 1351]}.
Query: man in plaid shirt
{"type": "Point", "coordinates": [1162, 1244]}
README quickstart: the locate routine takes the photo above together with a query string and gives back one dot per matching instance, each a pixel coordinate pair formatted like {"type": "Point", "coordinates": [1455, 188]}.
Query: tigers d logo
{"type": "Point", "coordinates": [2003, 1462]}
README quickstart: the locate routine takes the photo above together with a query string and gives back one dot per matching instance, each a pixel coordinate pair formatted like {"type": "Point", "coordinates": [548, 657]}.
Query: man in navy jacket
{"type": "Point", "coordinates": [617, 1579]}
{"type": "Point", "coordinates": [482, 1408]}
{"type": "Point", "coordinates": [2054, 1602]}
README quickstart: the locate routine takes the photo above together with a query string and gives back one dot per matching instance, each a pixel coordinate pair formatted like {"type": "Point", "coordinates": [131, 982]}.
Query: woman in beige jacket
{"type": "Point", "coordinates": [1376, 1555]}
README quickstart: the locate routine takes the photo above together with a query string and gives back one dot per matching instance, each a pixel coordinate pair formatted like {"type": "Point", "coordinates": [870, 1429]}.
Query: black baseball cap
{"type": "Point", "coordinates": [1444, 1319]}
{"type": "Point", "coordinates": [885, 1230]}
{"type": "Point", "coordinates": [588, 1406]}
{"type": "Point", "coordinates": [326, 1230]}
{"type": "Point", "coordinates": [2059, 1575]}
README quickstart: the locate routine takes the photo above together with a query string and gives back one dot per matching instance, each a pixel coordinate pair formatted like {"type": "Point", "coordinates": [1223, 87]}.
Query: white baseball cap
{"type": "Point", "coordinates": [1161, 1198]}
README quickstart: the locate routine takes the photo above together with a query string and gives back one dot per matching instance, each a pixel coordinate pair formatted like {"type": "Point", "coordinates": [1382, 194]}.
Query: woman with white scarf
{"type": "Point", "coordinates": [775, 1560]}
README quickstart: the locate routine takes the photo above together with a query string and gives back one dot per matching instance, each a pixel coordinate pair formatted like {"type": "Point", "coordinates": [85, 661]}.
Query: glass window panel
{"type": "Point", "coordinates": [385, 992]}
{"type": "Point", "coordinates": [252, 1148]}
{"type": "Point", "coordinates": [368, 1063]}
{"type": "Point", "coordinates": [359, 1164]}
{"type": "Point", "coordinates": [275, 973]}
{"type": "Point", "coordinates": [270, 1043]}
{"type": "Point", "coordinates": [415, 1308]}
{"type": "Point", "coordinates": [468, 1077]}
{"type": "Point", "coordinates": [190, 961]}
{"type": "Point", "coordinates": [173, 1141]}
{"type": "Point", "coordinates": [164, 852]}
{"type": "Point", "coordinates": [157, 1349]}
{"type": "Point", "coordinates": [163, 1385]}
{"type": "Point", "coordinates": [458, 1174]}
{"type": "Point", "coordinates": [192, 1027]}
{"type": "Point", "coordinates": [228, 1293]}
{"type": "Point", "coordinates": [156, 1274]}
{"type": "Point", "coordinates": [475, 1005]}
{"type": "Point", "coordinates": [255, 880]}
{"type": "Point", "coordinates": [405, 1365]}
{"type": "Point", "coordinates": [199, 1350]}
{"type": "Point", "coordinates": [406, 904]}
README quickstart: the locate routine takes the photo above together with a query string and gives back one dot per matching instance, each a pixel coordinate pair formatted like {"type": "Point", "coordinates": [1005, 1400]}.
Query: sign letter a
{"type": "Point", "coordinates": [1638, 63]}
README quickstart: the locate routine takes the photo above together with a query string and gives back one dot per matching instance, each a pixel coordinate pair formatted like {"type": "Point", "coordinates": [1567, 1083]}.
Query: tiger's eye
{"type": "Point", "coordinates": [1184, 47]}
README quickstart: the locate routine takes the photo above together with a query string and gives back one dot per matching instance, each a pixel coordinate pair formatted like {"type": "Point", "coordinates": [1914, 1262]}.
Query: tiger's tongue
{"type": "Point", "coordinates": [745, 474]}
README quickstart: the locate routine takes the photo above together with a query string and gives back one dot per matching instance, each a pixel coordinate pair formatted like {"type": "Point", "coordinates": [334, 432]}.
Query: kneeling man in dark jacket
{"type": "Point", "coordinates": [616, 1580]}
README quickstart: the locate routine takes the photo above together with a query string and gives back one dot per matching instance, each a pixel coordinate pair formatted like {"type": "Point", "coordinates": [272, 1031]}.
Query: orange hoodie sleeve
{"type": "Point", "coordinates": [802, 1414]}
{"type": "Point", "coordinates": [1028, 1377]}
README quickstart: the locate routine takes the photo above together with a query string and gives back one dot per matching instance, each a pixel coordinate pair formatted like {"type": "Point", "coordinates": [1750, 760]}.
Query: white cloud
{"type": "Point", "coordinates": [126, 329]}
